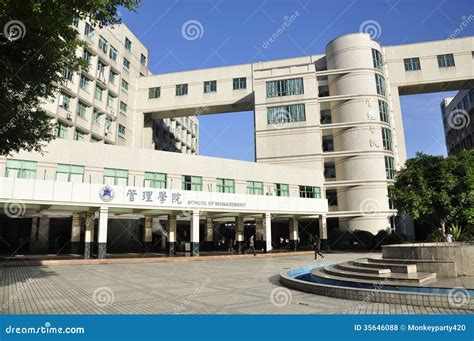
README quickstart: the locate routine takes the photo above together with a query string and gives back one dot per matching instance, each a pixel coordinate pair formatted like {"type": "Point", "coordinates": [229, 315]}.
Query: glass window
{"type": "Point", "coordinates": [113, 53]}
{"type": "Point", "coordinates": [21, 169]}
{"type": "Point", "coordinates": [389, 169]}
{"type": "Point", "coordinates": [328, 144]}
{"type": "Point", "coordinates": [121, 131]}
{"type": "Point", "coordinates": [323, 91]}
{"type": "Point", "coordinates": [154, 92]}
{"type": "Point", "coordinates": [64, 101]}
{"type": "Point", "coordinates": [325, 116]}
{"type": "Point", "coordinates": [181, 89]}
{"type": "Point", "coordinates": [114, 176]}
{"type": "Point", "coordinates": [89, 31]}
{"type": "Point", "coordinates": [84, 83]}
{"type": "Point", "coordinates": [446, 60]}
{"type": "Point", "coordinates": [239, 83]}
{"type": "Point", "coordinates": [123, 108]}
{"type": "Point", "coordinates": [128, 44]}
{"type": "Point", "coordinates": [96, 118]}
{"type": "Point", "coordinates": [380, 84]}
{"type": "Point", "coordinates": [86, 55]}
{"type": "Point", "coordinates": [103, 44]}
{"type": "Point", "coordinates": [101, 71]}
{"type": "Point", "coordinates": [67, 74]}
{"type": "Point", "coordinates": [255, 187]}
{"type": "Point", "coordinates": [143, 59]}
{"type": "Point", "coordinates": [225, 186]}
{"type": "Point", "coordinates": [329, 170]}
{"type": "Point", "coordinates": [155, 180]}
{"type": "Point", "coordinates": [281, 190]}
{"type": "Point", "coordinates": [124, 85]}
{"type": "Point", "coordinates": [79, 135]}
{"type": "Point", "coordinates": [331, 196]}
{"type": "Point", "coordinates": [98, 93]}
{"type": "Point", "coordinates": [61, 130]}
{"type": "Point", "coordinates": [108, 124]}
{"type": "Point", "coordinates": [286, 113]}
{"type": "Point", "coordinates": [81, 109]}
{"type": "Point", "coordinates": [192, 183]}
{"type": "Point", "coordinates": [210, 86]}
{"type": "Point", "coordinates": [310, 192]}
{"type": "Point", "coordinates": [126, 64]}
{"type": "Point", "coordinates": [111, 100]}
{"type": "Point", "coordinates": [387, 139]}
{"type": "Point", "coordinates": [383, 111]}
{"type": "Point", "coordinates": [412, 64]}
{"type": "Point", "coordinates": [285, 87]}
{"type": "Point", "coordinates": [69, 173]}
{"type": "Point", "coordinates": [75, 22]}
{"type": "Point", "coordinates": [112, 77]}
{"type": "Point", "coordinates": [377, 59]}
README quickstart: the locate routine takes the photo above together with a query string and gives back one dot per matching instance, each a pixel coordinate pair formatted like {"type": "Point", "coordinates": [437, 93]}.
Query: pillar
{"type": "Point", "coordinates": [293, 233]}
{"type": "Point", "coordinates": [323, 232]}
{"type": "Point", "coordinates": [147, 233]}
{"type": "Point", "coordinates": [209, 233]}
{"type": "Point", "coordinates": [239, 234]}
{"type": "Point", "coordinates": [172, 224]}
{"type": "Point", "coordinates": [40, 234]}
{"type": "Point", "coordinates": [267, 228]}
{"type": "Point", "coordinates": [102, 235]}
{"type": "Point", "coordinates": [89, 233]}
{"type": "Point", "coordinates": [195, 233]}
{"type": "Point", "coordinates": [259, 233]}
{"type": "Point", "coordinates": [75, 233]}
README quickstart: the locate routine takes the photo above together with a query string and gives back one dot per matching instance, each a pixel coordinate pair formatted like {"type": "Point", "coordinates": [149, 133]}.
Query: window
{"type": "Point", "coordinates": [20, 169]}
{"type": "Point", "coordinates": [81, 109]}
{"type": "Point", "coordinates": [225, 186]}
{"type": "Point", "coordinates": [101, 71]}
{"type": "Point", "coordinates": [154, 92]}
{"type": "Point", "coordinates": [67, 74]}
{"type": "Point", "coordinates": [322, 78]}
{"type": "Point", "coordinates": [124, 85]}
{"type": "Point", "coordinates": [94, 140]}
{"type": "Point", "coordinates": [239, 83]}
{"type": "Point", "coordinates": [75, 22]}
{"type": "Point", "coordinates": [79, 135]}
{"type": "Point", "coordinates": [329, 170]}
{"type": "Point", "coordinates": [383, 111]}
{"type": "Point", "coordinates": [84, 83]}
{"type": "Point", "coordinates": [121, 131]}
{"type": "Point", "coordinates": [103, 45]}
{"type": "Point", "coordinates": [389, 169]}
{"type": "Point", "coordinates": [112, 77]}
{"type": "Point", "coordinates": [108, 124]}
{"type": "Point", "coordinates": [123, 108]}
{"type": "Point", "coordinates": [286, 113]}
{"type": "Point", "coordinates": [210, 86]}
{"type": "Point", "coordinates": [326, 116]}
{"type": "Point", "coordinates": [128, 44]}
{"type": "Point", "coordinates": [86, 55]}
{"type": "Point", "coordinates": [126, 64]}
{"type": "Point", "coordinates": [310, 192]}
{"type": "Point", "coordinates": [61, 130]}
{"type": "Point", "coordinates": [331, 196]}
{"type": "Point", "coordinates": [115, 176]}
{"type": "Point", "coordinates": [387, 139]}
{"type": "Point", "coordinates": [155, 180]}
{"type": "Point", "coordinates": [64, 101]}
{"type": "Point", "coordinates": [89, 31]}
{"type": "Point", "coordinates": [255, 187]}
{"type": "Point", "coordinates": [192, 183]}
{"type": "Point", "coordinates": [328, 145]}
{"type": "Point", "coordinates": [69, 173]}
{"type": "Point", "coordinates": [281, 190]}
{"type": "Point", "coordinates": [377, 59]}
{"type": "Point", "coordinates": [113, 53]}
{"type": "Point", "coordinates": [111, 100]}
{"type": "Point", "coordinates": [323, 91]}
{"type": "Point", "coordinates": [98, 93]}
{"type": "Point", "coordinates": [96, 118]}
{"type": "Point", "coordinates": [446, 60]}
{"type": "Point", "coordinates": [380, 84]}
{"type": "Point", "coordinates": [285, 87]}
{"type": "Point", "coordinates": [181, 89]}
{"type": "Point", "coordinates": [412, 64]}
{"type": "Point", "coordinates": [143, 59]}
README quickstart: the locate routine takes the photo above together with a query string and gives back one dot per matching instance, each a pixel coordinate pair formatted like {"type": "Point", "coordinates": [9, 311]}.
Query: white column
{"type": "Point", "coordinates": [323, 230]}
{"type": "Point", "coordinates": [209, 229]}
{"type": "Point", "coordinates": [148, 235]}
{"type": "Point", "coordinates": [89, 233]}
{"type": "Point", "coordinates": [75, 232]}
{"type": "Point", "coordinates": [294, 232]}
{"type": "Point", "coordinates": [102, 235]}
{"type": "Point", "coordinates": [268, 232]}
{"type": "Point", "coordinates": [239, 233]}
{"type": "Point", "coordinates": [195, 233]}
{"type": "Point", "coordinates": [172, 224]}
{"type": "Point", "coordinates": [259, 229]}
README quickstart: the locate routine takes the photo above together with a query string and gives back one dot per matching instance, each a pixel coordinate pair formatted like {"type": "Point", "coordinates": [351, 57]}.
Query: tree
{"type": "Point", "coordinates": [436, 190]}
{"type": "Point", "coordinates": [37, 44]}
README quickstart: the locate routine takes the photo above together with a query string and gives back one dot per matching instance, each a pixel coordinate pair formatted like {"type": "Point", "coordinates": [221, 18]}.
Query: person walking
{"type": "Point", "coordinates": [317, 248]}
{"type": "Point", "coordinates": [252, 245]}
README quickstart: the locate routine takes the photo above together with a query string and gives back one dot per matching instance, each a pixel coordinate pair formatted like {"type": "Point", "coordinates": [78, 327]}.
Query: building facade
{"type": "Point", "coordinates": [458, 117]}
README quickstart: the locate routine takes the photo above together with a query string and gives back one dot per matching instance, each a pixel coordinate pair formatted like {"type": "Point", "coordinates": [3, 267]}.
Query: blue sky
{"type": "Point", "coordinates": [234, 32]}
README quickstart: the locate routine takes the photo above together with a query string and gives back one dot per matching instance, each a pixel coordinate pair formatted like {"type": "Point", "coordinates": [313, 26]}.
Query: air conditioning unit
{"type": "Point", "coordinates": [69, 116]}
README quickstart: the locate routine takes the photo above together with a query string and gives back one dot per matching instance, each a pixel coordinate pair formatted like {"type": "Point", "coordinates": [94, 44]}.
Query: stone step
{"type": "Point", "coordinates": [418, 277]}
{"type": "Point", "coordinates": [407, 261]}
{"type": "Point", "coordinates": [350, 266]}
{"type": "Point", "coordinates": [394, 267]}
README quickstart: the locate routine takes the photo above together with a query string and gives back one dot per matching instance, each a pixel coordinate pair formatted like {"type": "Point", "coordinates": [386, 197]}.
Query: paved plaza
{"type": "Point", "coordinates": [237, 286]}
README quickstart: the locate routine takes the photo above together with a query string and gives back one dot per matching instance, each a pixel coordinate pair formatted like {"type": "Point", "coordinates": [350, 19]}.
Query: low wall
{"type": "Point", "coordinates": [462, 254]}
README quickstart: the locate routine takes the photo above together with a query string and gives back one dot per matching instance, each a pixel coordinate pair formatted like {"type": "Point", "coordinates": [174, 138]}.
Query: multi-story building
{"type": "Point", "coordinates": [328, 130]}
{"type": "Point", "coordinates": [458, 121]}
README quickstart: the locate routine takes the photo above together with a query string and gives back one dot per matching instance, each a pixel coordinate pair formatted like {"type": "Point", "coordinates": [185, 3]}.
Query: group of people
{"type": "Point", "coordinates": [230, 244]}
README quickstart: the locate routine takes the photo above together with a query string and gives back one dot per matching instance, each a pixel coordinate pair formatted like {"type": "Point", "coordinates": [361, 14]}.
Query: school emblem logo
{"type": "Point", "coordinates": [106, 193]}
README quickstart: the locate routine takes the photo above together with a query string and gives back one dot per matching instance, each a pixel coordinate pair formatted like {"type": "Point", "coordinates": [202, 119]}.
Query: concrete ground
{"type": "Point", "coordinates": [224, 286]}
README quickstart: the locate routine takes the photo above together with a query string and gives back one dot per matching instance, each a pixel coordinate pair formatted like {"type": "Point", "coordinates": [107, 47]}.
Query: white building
{"type": "Point", "coordinates": [326, 126]}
